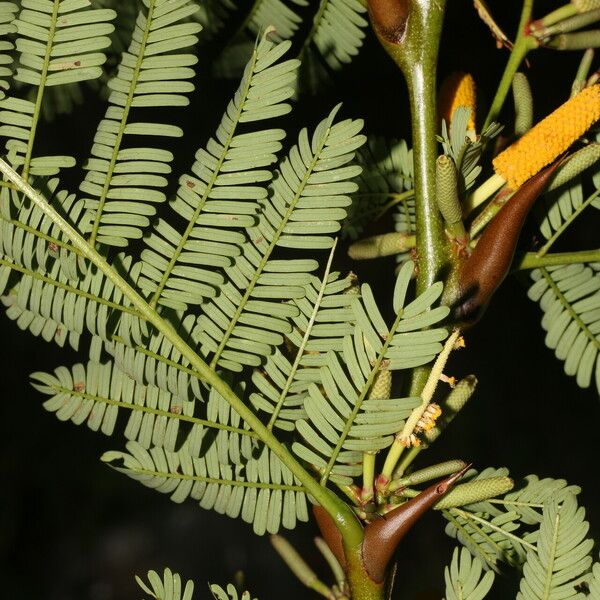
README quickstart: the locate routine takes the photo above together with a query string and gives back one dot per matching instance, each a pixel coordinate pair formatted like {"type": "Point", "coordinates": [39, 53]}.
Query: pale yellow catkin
{"type": "Point", "coordinates": [585, 5]}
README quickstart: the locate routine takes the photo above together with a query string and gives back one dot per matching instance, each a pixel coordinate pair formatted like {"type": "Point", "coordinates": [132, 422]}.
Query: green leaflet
{"type": "Point", "coordinates": [55, 307]}
{"type": "Point", "coordinates": [535, 491]}
{"type": "Point", "coordinates": [558, 208]}
{"type": "Point", "coordinates": [58, 44]}
{"type": "Point", "coordinates": [280, 15]}
{"type": "Point", "coordinates": [221, 197]}
{"type": "Point", "coordinates": [489, 541]}
{"type": "Point", "coordinates": [306, 203]}
{"type": "Point", "coordinates": [167, 587]}
{"type": "Point", "coordinates": [465, 579]}
{"type": "Point", "coordinates": [342, 423]}
{"type": "Point", "coordinates": [213, 16]}
{"type": "Point", "coordinates": [123, 184]}
{"type": "Point", "coordinates": [325, 319]}
{"type": "Point", "coordinates": [260, 490]}
{"type": "Point", "coordinates": [464, 148]}
{"type": "Point", "coordinates": [30, 239]}
{"type": "Point", "coordinates": [335, 38]}
{"type": "Point", "coordinates": [568, 296]}
{"type": "Point", "coordinates": [170, 587]}
{"type": "Point", "coordinates": [387, 172]}
{"type": "Point", "coordinates": [562, 560]}
{"type": "Point", "coordinates": [158, 363]}
{"type": "Point", "coordinates": [95, 393]}
{"type": "Point", "coordinates": [7, 16]}
{"type": "Point", "coordinates": [594, 583]}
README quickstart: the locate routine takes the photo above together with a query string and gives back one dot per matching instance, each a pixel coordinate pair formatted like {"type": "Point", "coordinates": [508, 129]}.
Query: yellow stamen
{"type": "Point", "coordinates": [458, 90]}
{"type": "Point", "coordinates": [549, 138]}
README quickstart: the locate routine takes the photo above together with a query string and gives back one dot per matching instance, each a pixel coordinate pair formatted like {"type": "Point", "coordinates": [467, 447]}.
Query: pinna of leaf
{"type": "Point", "coordinates": [382, 536]}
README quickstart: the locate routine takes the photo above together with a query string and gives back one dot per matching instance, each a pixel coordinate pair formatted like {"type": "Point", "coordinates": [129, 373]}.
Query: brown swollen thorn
{"type": "Point", "coordinates": [383, 535]}
{"type": "Point", "coordinates": [330, 533]}
{"type": "Point", "coordinates": [389, 18]}
{"type": "Point", "coordinates": [482, 273]}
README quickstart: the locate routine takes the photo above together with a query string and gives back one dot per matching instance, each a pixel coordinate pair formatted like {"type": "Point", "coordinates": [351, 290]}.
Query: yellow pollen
{"type": "Point", "coordinates": [457, 90]}
{"type": "Point", "coordinates": [549, 138]}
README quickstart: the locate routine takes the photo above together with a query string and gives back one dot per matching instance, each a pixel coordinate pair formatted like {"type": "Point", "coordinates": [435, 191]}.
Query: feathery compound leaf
{"type": "Point", "coordinates": [335, 38]}
{"type": "Point", "coordinates": [562, 560]}
{"type": "Point", "coordinates": [325, 319]}
{"type": "Point", "coordinates": [529, 497]}
{"type": "Point", "coordinates": [53, 306]}
{"type": "Point", "coordinates": [261, 490]}
{"type": "Point", "coordinates": [222, 196]}
{"type": "Point", "coordinates": [123, 184]}
{"type": "Point", "coordinates": [387, 172]}
{"type": "Point", "coordinates": [7, 26]}
{"type": "Point", "coordinates": [213, 16]}
{"type": "Point", "coordinates": [570, 299]}
{"type": "Point", "coordinates": [94, 394]}
{"type": "Point", "coordinates": [558, 208]}
{"type": "Point", "coordinates": [465, 579]}
{"type": "Point", "coordinates": [278, 15]}
{"type": "Point", "coordinates": [31, 239]}
{"type": "Point", "coordinates": [167, 587]}
{"type": "Point", "coordinates": [306, 205]}
{"type": "Point", "coordinates": [342, 421]}
{"type": "Point", "coordinates": [58, 43]}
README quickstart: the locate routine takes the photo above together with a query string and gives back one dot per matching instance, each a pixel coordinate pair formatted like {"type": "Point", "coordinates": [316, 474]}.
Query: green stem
{"type": "Point", "coordinates": [341, 513]}
{"type": "Point", "coordinates": [532, 261]}
{"type": "Point", "coordinates": [523, 44]}
{"type": "Point", "coordinates": [561, 13]}
{"type": "Point", "coordinates": [416, 55]}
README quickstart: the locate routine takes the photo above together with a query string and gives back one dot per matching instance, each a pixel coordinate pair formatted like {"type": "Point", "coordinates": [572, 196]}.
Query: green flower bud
{"type": "Point", "coordinates": [447, 190]}
{"type": "Point", "coordinates": [576, 41]}
{"type": "Point", "coordinates": [576, 164]}
{"type": "Point", "coordinates": [433, 472]}
{"type": "Point", "coordinates": [585, 5]}
{"type": "Point", "coordinates": [377, 246]}
{"type": "Point", "coordinates": [475, 491]}
{"type": "Point", "coordinates": [523, 104]}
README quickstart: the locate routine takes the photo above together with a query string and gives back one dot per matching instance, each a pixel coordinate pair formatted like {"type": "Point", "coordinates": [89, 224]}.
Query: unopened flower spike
{"type": "Point", "coordinates": [457, 90]}
{"type": "Point", "coordinates": [585, 5]}
{"type": "Point", "coordinates": [523, 104]}
{"type": "Point", "coordinates": [448, 201]}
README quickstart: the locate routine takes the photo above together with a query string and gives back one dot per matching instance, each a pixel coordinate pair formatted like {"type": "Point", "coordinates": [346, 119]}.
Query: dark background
{"type": "Point", "coordinates": [70, 528]}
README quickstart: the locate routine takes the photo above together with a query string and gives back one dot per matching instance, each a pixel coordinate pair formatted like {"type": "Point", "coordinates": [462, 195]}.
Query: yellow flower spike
{"type": "Point", "coordinates": [585, 5]}
{"type": "Point", "coordinates": [549, 138]}
{"type": "Point", "coordinates": [457, 90]}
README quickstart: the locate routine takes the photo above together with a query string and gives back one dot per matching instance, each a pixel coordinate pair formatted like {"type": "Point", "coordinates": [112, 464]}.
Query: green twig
{"type": "Point", "coordinates": [532, 261]}
{"type": "Point", "coordinates": [523, 44]}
